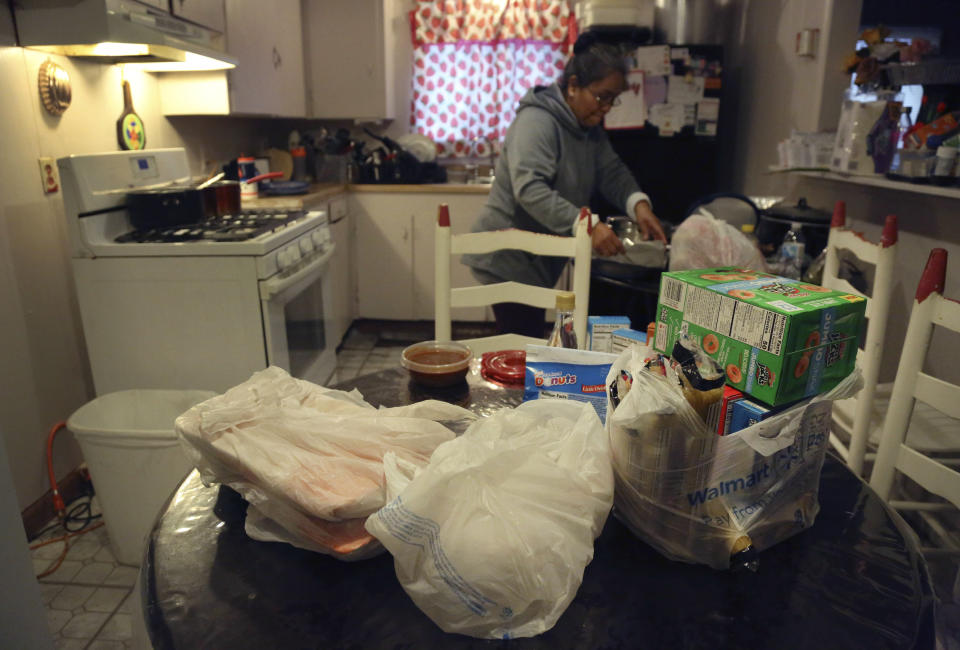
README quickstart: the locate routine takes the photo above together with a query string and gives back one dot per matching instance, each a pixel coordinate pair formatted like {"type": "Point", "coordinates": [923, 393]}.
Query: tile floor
{"type": "Point", "coordinates": [89, 597]}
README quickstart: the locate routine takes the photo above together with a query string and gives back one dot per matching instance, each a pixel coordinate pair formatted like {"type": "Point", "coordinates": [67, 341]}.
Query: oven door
{"type": "Point", "coordinates": [297, 319]}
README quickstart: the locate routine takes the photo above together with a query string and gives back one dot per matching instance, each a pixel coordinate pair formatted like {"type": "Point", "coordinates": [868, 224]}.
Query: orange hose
{"type": "Point", "coordinates": [58, 503]}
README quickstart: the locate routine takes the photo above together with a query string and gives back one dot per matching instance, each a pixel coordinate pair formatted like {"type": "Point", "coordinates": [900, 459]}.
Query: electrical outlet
{"type": "Point", "coordinates": [49, 175]}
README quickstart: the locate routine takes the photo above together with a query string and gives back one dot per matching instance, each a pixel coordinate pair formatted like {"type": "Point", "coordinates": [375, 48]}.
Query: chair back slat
{"type": "Point", "coordinates": [536, 243]}
{"type": "Point", "coordinates": [941, 395]}
{"type": "Point", "coordinates": [490, 293]}
{"type": "Point", "coordinates": [856, 244]}
{"type": "Point", "coordinates": [947, 313]}
{"type": "Point", "coordinates": [934, 477]}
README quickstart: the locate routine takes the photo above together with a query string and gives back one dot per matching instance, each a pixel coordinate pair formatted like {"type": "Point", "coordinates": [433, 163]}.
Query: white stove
{"type": "Point", "coordinates": [195, 306]}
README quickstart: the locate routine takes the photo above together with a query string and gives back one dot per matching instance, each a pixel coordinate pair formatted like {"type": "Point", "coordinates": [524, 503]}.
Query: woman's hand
{"type": "Point", "coordinates": [648, 223]}
{"type": "Point", "coordinates": [604, 241]}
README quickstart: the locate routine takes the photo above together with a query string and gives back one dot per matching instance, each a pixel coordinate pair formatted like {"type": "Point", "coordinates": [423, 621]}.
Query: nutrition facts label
{"type": "Point", "coordinates": [755, 326]}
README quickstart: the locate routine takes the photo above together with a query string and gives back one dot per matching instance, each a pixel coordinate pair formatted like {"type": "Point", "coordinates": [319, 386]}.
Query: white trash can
{"type": "Point", "coordinates": [134, 457]}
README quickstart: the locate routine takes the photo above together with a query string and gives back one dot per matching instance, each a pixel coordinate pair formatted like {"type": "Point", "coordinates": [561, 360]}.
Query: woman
{"type": "Point", "coordinates": [554, 156]}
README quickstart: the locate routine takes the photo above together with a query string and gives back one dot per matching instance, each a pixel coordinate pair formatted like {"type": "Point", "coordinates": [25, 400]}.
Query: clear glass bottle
{"type": "Point", "coordinates": [792, 251]}
{"type": "Point", "coordinates": [563, 335]}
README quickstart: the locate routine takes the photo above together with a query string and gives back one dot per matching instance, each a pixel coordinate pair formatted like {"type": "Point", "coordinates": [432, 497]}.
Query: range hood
{"type": "Point", "coordinates": [119, 31]}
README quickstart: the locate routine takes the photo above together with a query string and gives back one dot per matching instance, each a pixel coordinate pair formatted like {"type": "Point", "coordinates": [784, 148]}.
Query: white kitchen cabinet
{"type": "Point", "coordinates": [384, 256]}
{"type": "Point", "coordinates": [395, 256]}
{"type": "Point", "coordinates": [266, 40]}
{"type": "Point", "coordinates": [352, 57]}
{"type": "Point", "coordinates": [208, 13]}
{"type": "Point", "coordinates": [342, 268]}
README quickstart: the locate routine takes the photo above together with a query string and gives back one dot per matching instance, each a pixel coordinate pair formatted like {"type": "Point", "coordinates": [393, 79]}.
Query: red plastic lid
{"type": "Point", "coordinates": [504, 367]}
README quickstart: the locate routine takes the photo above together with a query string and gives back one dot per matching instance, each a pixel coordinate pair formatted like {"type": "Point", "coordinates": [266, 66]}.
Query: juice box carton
{"type": "Point", "coordinates": [778, 339]}
{"type": "Point", "coordinates": [599, 329]}
{"type": "Point", "coordinates": [720, 414]}
{"type": "Point", "coordinates": [746, 412]}
{"type": "Point", "coordinates": [623, 338]}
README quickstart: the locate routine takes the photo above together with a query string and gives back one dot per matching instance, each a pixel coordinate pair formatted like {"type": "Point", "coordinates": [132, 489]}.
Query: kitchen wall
{"type": "Point", "coordinates": [44, 375]}
{"type": "Point", "coordinates": [776, 91]}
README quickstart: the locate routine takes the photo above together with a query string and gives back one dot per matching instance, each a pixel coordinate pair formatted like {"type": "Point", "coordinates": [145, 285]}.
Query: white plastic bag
{"type": "Point", "coordinates": [492, 537]}
{"type": "Point", "coordinates": [308, 459]}
{"type": "Point", "coordinates": [698, 497]}
{"type": "Point", "coordinates": [703, 241]}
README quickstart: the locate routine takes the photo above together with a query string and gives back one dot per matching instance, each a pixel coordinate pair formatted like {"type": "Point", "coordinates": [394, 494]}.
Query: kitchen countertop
{"type": "Point", "coordinates": [324, 191]}
{"type": "Point", "coordinates": [426, 188]}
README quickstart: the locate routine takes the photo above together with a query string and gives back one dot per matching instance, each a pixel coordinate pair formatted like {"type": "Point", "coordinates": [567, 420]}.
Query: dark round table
{"type": "Point", "coordinates": [853, 580]}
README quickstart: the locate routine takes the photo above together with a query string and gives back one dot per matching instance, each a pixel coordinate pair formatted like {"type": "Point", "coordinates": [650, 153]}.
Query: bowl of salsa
{"type": "Point", "coordinates": [437, 363]}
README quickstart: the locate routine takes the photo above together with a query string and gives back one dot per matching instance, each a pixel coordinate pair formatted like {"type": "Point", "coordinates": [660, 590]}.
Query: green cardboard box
{"type": "Point", "coordinates": [778, 339]}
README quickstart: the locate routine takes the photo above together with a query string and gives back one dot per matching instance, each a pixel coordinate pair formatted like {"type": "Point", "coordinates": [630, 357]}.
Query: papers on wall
{"type": "Point", "coordinates": [654, 90]}
{"type": "Point", "coordinates": [667, 88]}
{"type": "Point", "coordinates": [708, 114]}
{"type": "Point", "coordinates": [669, 118]}
{"type": "Point", "coordinates": [632, 111]}
{"type": "Point", "coordinates": [684, 90]}
{"type": "Point", "coordinates": [653, 60]}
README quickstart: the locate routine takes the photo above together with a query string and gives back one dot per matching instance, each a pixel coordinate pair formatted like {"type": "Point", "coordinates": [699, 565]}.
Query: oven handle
{"type": "Point", "coordinates": [275, 286]}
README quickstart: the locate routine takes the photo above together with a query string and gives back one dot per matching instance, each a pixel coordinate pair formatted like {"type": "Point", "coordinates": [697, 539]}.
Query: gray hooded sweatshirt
{"type": "Point", "coordinates": [548, 169]}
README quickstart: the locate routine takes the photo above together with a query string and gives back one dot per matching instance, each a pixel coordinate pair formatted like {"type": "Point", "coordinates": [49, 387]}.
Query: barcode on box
{"type": "Point", "coordinates": [672, 293]}
{"type": "Point", "coordinates": [662, 334]}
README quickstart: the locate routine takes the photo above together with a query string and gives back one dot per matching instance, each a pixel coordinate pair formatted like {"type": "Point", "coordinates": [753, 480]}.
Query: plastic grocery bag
{"type": "Point", "coordinates": [492, 537]}
{"type": "Point", "coordinates": [703, 241]}
{"type": "Point", "coordinates": [698, 497]}
{"type": "Point", "coordinates": [309, 459]}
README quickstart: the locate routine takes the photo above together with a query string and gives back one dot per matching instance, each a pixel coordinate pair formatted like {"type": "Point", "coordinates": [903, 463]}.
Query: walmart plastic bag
{"type": "Point", "coordinates": [703, 241]}
{"type": "Point", "coordinates": [699, 497]}
{"type": "Point", "coordinates": [491, 538]}
{"type": "Point", "coordinates": [309, 459]}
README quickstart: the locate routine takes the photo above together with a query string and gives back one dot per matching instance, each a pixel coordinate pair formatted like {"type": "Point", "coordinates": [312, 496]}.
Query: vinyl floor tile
{"type": "Point", "coordinates": [117, 628]}
{"type": "Point", "coordinates": [106, 599]}
{"type": "Point", "coordinates": [72, 597]}
{"type": "Point", "coordinates": [84, 626]}
{"type": "Point", "coordinates": [94, 573]}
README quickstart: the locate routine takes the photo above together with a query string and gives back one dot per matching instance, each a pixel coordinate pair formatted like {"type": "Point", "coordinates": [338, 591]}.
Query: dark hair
{"type": "Point", "coordinates": [592, 60]}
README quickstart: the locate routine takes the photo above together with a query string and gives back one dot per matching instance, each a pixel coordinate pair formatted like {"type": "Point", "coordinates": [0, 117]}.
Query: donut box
{"type": "Point", "coordinates": [778, 339]}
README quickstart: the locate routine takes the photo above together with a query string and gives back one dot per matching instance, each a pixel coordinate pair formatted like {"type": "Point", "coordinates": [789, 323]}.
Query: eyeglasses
{"type": "Point", "coordinates": [607, 100]}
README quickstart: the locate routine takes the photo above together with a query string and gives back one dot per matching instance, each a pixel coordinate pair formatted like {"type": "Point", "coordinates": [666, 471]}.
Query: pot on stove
{"type": "Point", "coordinates": [165, 207]}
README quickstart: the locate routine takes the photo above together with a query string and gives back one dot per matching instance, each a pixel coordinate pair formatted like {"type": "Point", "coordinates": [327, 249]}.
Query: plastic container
{"type": "Point", "coordinates": [135, 459]}
{"type": "Point", "coordinates": [437, 363]}
{"type": "Point", "coordinates": [946, 161]}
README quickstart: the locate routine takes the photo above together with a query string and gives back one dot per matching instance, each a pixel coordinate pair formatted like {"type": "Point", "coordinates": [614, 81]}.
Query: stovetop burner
{"type": "Point", "coordinates": [239, 227]}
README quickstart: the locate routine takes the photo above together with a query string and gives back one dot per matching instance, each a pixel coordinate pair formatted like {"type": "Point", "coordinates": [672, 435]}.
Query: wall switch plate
{"type": "Point", "coordinates": [49, 175]}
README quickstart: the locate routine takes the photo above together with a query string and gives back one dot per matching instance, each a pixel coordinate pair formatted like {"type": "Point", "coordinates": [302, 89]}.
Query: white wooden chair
{"type": "Point", "coordinates": [911, 385]}
{"type": "Point", "coordinates": [448, 246]}
{"type": "Point", "coordinates": [853, 416]}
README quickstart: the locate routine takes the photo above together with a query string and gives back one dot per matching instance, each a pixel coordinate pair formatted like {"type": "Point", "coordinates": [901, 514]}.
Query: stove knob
{"type": "Point", "coordinates": [306, 245]}
{"type": "Point", "coordinates": [283, 260]}
{"type": "Point", "coordinates": [294, 253]}
{"type": "Point", "coordinates": [317, 237]}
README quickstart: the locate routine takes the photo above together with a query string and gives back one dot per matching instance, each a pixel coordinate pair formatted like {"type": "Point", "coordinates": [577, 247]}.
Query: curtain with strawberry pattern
{"type": "Point", "coordinates": [474, 59]}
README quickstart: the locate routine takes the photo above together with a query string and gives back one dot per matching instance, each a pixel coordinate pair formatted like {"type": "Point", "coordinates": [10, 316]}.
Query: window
{"type": "Point", "coordinates": [474, 59]}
